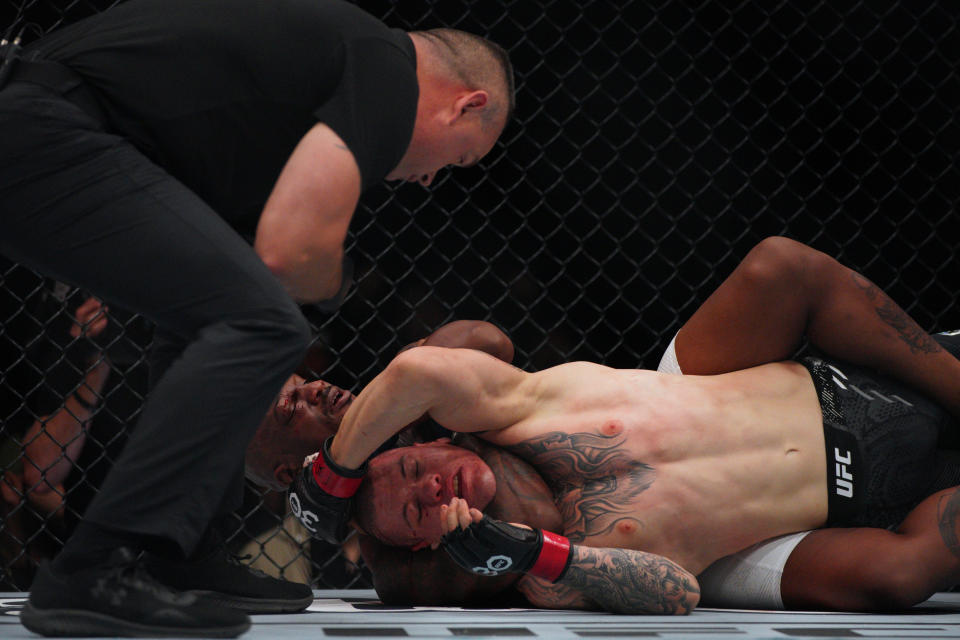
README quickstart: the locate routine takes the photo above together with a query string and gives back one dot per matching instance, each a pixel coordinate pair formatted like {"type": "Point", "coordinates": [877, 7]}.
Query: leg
{"type": "Point", "coordinates": [784, 290]}
{"type": "Point", "coordinates": [85, 207]}
{"type": "Point", "coordinates": [876, 569]}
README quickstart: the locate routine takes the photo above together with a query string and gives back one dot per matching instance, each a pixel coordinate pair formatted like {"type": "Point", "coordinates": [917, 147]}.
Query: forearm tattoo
{"type": "Point", "coordinates": [948, 519]}
{"type": "Point", "coordinates": [918, 340]}
{"type": "Point", "coordinates": [628, 581]}
{"type": "Point", "coordinates": [594, 480]}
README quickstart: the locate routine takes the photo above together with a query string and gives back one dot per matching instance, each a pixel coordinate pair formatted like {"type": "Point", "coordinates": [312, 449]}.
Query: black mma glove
{"type": "Point", "coordinates": [491, 547]}
{"type": "Point", "coordinates": [320, 497]}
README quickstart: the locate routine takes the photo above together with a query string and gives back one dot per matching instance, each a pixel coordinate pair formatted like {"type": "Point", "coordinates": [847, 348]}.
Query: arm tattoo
{"type": "Point", "coordinates": [548, 595]}
{"type": "Point", "coordinates": [593, 479]}
{"type": "Point", "coordinates": [948, 519]}
{"type": "Point", "coordinates": [918, 340]}
{"type": "Point", "coordinates": [623, 581]}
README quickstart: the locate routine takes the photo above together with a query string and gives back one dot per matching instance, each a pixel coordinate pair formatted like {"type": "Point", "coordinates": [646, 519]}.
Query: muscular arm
{"type": "Point", "coordinates": [459, 334]}
{"type": "Point", "coordinates": [462, 389]}
{"type": "Point", "coordinates": [783, 291]}
{"type": "Point", "coordinates": [617, 580]}
{"type": "Point", "coordinates": [303, 225]}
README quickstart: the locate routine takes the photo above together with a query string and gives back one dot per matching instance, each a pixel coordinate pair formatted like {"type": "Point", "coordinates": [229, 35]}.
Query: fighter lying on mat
{"type": "Point", "coordinates": [721, 478]}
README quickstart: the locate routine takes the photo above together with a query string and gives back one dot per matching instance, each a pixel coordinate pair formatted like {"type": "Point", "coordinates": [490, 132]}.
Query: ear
{"type": "Point", "coordinates": [284, 473]}
{"type": "Point", "coordinates": [468, 102]}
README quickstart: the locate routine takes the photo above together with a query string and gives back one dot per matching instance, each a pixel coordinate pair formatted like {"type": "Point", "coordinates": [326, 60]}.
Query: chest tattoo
{"type": "Point", "coordinates": [594, 480]}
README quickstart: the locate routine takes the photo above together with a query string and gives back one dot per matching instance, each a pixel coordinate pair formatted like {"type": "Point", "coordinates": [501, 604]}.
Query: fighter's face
{"type": "Point", "coordinates": [405, 488]}
{"type": "Point", "coordinates": [303, 415]}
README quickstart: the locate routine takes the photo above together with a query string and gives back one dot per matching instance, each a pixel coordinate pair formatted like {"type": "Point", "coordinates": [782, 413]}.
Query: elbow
{"type": "Point", "coordinates": [420, 366]}
{"type": "Point", "coordinates": [690, 603]}
{"type": "Point", "coordinates": [681, 594]}
{"type": "Point", "coordinates": [302, 278]}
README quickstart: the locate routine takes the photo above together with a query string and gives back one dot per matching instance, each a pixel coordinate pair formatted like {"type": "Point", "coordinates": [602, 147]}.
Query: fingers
{"type": "Point", "coordinates": [90, 319]}
{"type": "Point", "coordinates": [310, 459]}
{"type": "Point", "coordinates": [458, 514]}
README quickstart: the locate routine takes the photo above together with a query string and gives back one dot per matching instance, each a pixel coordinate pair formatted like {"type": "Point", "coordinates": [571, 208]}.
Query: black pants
{"type": "Point", "coordinates": [82, 205]}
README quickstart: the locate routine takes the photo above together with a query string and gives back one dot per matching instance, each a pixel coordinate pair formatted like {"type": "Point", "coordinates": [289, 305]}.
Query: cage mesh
{"type": "Point", "coordinates": [654, 144]}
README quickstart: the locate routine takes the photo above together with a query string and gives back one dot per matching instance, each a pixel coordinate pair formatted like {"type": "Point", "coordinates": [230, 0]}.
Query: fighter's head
{"type": "Point", "coordinates": [302, 417]}
{"type": "Point", "coordinates": [399, 501]}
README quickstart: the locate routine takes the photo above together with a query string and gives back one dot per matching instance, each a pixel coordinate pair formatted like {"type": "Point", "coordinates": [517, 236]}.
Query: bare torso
{"type": "Point", "coordinates": [691, 468]}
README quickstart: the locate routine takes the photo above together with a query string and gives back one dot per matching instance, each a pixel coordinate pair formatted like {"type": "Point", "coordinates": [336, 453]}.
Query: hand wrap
{"type": "Point", "coordinates": [320, 497]}
{"type": "Point", "coordinates": [491, 547]}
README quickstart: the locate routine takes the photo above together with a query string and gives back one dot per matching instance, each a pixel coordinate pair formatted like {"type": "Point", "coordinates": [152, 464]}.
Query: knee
{"type": "Point", "coordinates": [784, 263]}
{"type": "Point", "coordinates": [898, 591]}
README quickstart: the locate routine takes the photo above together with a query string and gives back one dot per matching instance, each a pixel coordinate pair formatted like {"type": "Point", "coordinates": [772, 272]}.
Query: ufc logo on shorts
{"type": "Point", "coordinates": [842, 475]}
{"type": "Point", "coordinates": [495, 566]}
{"type": "Point", "coordinates": [306, 518]}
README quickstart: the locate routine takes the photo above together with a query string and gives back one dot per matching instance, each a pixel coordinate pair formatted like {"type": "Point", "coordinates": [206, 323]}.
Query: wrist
{"type": "Point", "coordinates": [83, 402]}
{"type": "Point", "coordinates": [340, 482]}
{"type": "Point", "coordinates": [554, 557]}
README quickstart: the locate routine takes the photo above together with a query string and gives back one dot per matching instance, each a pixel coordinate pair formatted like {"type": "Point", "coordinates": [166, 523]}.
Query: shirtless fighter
{"type": "Point", "coordinates": [693, 468]}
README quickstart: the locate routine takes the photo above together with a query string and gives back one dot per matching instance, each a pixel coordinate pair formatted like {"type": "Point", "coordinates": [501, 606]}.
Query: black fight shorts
{"type": "Point", "coordinates": [882, 439]}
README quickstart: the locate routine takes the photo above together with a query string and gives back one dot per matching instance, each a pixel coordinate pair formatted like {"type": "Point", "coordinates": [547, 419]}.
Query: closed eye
{"type": "Point", "coordinates": [284, 409]}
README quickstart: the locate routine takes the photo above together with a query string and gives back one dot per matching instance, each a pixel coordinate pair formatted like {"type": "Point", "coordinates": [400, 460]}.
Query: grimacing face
{"type": "Point", "coordinates": [404, 488]}
{"type": "Point", "coordinates": [303, 415]}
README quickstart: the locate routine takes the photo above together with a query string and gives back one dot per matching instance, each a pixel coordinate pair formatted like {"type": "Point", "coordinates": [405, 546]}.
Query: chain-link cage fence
{"type": "Point", "coordinates": [654, 144]}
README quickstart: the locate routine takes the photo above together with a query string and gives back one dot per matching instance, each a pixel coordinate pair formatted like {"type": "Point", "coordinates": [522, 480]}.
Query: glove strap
{"type": "Point", "coordinates": [334, 479]}
{"type": "Point", "coordinates": [554, 557]}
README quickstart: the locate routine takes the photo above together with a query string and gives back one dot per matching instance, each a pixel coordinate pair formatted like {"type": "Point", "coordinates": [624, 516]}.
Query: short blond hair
{"type": "Point", "coordinates": [479, 64]}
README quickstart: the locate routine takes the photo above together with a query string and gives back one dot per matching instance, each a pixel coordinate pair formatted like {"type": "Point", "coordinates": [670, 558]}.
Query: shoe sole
{"type": "Point", "coordinates": [77, 622]}
{"type": "Point", "coordinates": [254, 605]}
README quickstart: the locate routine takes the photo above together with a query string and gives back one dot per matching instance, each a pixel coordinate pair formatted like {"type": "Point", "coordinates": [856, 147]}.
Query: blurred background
{"type": "Point", "coordinates": [654, 144]}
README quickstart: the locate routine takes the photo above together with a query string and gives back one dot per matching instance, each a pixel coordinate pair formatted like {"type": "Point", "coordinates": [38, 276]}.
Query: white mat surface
{"type": "Point", "coordinates": [358, 615]}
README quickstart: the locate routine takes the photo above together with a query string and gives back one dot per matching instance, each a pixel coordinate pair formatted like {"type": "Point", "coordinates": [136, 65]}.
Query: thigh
{"type": "Point", "coordinates": [871, 569]}
{"type": "Point", "coordinates": [84, 206]}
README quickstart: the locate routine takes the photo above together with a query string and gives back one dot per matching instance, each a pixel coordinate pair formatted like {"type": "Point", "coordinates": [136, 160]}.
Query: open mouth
{"type": "Point", "coordinates": [337, 400]}
{"type": "Point", "coordinates": [458, 486]}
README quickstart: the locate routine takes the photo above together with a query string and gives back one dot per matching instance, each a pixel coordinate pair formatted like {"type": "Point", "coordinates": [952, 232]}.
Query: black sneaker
{"type": "Point", "coordinates": [220, 577]}
{"type": "Point", "coordinates": [119, 598]}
